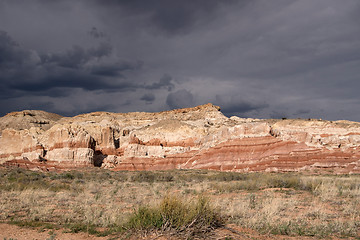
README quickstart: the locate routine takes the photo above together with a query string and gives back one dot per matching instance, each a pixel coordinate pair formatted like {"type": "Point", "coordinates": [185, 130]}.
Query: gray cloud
{"type": "Point", "coordinates": [277, 115]}
{"type": "Point", "coordinates": [180, 99]}
{"type": "Point", "coordinates": [301, 112]}
{"type": "Point", "coordinates": [11, 54]}
{"type": "Point", "coordinates": [90, 69]}
{"type": "Point", "coordinates": [148, 97]}
{"type": "Point", "coordinates": [95, 33]}
{"type": "Point", "coordinates": [241, 108]}
{"type": "Point", "coordinates": [77, 57]}
{"type": "Point", "coordinates": [236, 106]}
{"type": "Point", "coordinates": [168, 17]}
{"type": "Point", "coordinates": [165, 82]}
{"type": "Point", "coordinates": [254, 58]}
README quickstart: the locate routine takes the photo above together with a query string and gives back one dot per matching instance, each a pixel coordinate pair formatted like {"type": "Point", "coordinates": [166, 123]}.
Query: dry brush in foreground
{"type": "Point", "coordinates": [185, 203]}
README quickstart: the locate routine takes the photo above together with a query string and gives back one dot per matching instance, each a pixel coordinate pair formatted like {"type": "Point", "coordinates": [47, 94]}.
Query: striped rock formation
{"type": "Point", "coordinates": [190, 138]}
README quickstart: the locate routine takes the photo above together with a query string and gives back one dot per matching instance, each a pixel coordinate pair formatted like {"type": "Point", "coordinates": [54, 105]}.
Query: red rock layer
{"type": "Point", "coordinates": [254, 154]}
{"type": "Point", "coordinates": [191, 138]}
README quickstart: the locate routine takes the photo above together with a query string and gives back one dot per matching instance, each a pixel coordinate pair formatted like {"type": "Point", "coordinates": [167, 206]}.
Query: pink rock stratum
{"type": "Point", "coordinates": [190, 138]}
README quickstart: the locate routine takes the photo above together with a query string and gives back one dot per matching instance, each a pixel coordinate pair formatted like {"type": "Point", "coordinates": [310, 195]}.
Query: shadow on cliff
{"type": "Point", "coordinates": [99, 158]}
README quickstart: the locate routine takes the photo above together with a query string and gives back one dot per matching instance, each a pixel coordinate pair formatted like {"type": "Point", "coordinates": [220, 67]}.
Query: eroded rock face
{"type": "Point", "coordinates": [190, 138]}
{"type": "Point", "coordinates": [27, 119]}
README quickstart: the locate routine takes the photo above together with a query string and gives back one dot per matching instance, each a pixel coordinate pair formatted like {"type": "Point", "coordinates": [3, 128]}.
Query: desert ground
{"type": "Point", "coordinates": [179, 204]}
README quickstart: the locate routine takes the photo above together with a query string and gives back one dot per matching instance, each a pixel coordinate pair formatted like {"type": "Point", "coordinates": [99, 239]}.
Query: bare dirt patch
{"type": "Point", "coordinates": [9, 231]}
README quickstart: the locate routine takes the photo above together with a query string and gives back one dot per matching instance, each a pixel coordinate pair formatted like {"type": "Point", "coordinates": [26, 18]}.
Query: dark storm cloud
{"type": "Point", "coordinates": [165, 82]}
{"type": "Point", "coordinates": [50, 107]}
{"type": "Point", "coordinates": [11, 54]}
{"type": "Point", "coordinates": [180, 99]}
{"type": "Point", "coordinates": [15, 64]}
{"type": "Point", "coordinates": [169, 17]}
{"type": "Point", "coordinates": [48, 74]}
{"type": "Point", "coordinates": [114, 69]}
{"type": "Point", "coordinates": [254, 58]}
{"type": "Point", "coordinates": [8, 53]}
{"type": "Point", "coordinates": [148, 97]}
{"type": "Point", "coordinates": [236, 106]}
{"type": "Point", "coordinates": [302, 112]}
{"type": "Point", "coordinates": [46, 106]}
{"type": "Point", "coordinates": [279, 115]}
{"type": "Point", "coordinates": [77, 57]}
{"type": "Point", "coordinates": [95, 33]}
{"type": "Point", "coordinates": [241, 108]}
{"type": "Point", "coordinates": [71, 79]}
{"type": "Point", "coordinates": [91, 108]}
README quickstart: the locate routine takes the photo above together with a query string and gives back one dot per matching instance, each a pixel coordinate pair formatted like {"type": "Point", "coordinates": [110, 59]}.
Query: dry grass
{"type": "Point", "coordinates": [101, 202]}
{"type": "Point", "coordinates": [186, 218]}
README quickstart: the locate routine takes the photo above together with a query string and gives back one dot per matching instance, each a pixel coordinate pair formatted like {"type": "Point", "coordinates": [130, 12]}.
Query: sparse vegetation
{"type": "Point", "coordinates": [173, 214]}
{"type": "Point", "coordinates": [102, 202]}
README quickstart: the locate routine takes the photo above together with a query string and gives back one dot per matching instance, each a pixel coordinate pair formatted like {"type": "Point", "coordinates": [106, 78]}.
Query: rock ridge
{"type": "Point", "coordinates": [189, 138]}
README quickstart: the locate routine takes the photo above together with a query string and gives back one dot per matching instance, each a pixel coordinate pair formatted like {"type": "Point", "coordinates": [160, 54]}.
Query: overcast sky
{"type": "Point", "coordinates": [253, 58]}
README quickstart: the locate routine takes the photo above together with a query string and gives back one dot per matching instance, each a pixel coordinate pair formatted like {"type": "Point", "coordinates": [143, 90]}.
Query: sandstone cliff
{"type": "Point", "coordinates": [190, 138]}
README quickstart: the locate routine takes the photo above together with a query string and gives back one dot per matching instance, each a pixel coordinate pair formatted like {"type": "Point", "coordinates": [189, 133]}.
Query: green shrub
{"type": "Point", "coordinates": [145, 218]}
{"type": "Point", "coordinates": [174, 214]}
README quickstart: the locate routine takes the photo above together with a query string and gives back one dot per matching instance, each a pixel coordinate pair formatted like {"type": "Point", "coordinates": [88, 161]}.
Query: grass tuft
{"type": "Point", "coordinates": [173, 214]}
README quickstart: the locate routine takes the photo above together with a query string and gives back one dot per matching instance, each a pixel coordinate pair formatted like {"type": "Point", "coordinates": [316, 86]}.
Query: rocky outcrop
{"type": "Point", "coordinates": [27, 119]}
{"type": "Point", "coordinates": [189, 138]}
